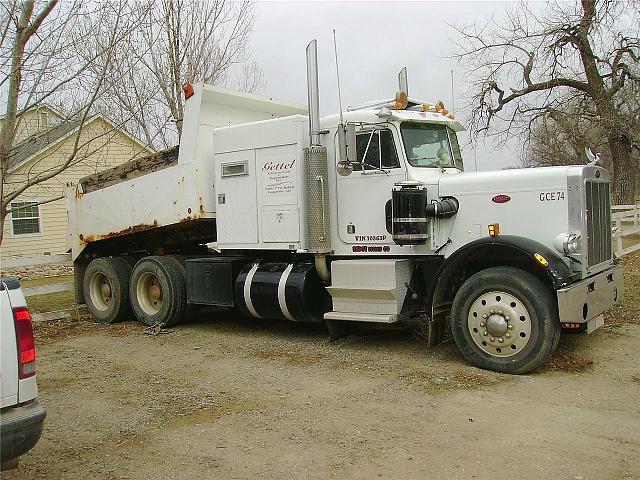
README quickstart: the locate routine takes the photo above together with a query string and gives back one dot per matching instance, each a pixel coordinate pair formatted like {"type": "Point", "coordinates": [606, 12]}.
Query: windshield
{"type": "Point", "coordinates": [431, 145]}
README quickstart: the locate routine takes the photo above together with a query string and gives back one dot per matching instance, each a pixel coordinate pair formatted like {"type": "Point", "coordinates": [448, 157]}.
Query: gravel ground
{"type": "Point", "coordinates": [227, 397]}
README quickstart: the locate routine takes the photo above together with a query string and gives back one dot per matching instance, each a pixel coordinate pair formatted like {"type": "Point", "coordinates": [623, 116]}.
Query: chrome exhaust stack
{"type": "Point", "coordinates": [312, 92]}
{"type": "Point", "coordinates": [318, 236]}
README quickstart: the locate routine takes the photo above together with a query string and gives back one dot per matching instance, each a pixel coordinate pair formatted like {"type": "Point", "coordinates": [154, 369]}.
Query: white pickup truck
{"type": "Point", "coordinates": [22, 417]}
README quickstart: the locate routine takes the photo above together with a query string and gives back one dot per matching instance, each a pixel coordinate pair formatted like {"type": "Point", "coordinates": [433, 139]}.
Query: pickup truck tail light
{"type": "Point", "coordinates": [26, 344]}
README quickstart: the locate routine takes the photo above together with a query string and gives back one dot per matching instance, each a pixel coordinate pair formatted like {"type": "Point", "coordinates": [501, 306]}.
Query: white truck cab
{"type": "Point", "coordinates": [362, 216]}
{"type": "Point", "coordinates": [21, 417]}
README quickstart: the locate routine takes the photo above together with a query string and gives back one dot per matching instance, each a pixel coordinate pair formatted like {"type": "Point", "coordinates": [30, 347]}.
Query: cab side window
{"type": "Point", "coordinates": [379, 148]}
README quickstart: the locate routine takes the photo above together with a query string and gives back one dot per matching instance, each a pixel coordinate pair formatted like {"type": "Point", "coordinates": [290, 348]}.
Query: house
{"type": "Point", "coordinates": [45, 139]}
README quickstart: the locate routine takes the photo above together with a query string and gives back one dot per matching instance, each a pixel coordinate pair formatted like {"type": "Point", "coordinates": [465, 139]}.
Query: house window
{"type": "Point", "coordinates": [25, 217]}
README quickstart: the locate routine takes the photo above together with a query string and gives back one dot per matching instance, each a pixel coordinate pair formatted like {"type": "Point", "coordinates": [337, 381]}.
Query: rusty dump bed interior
{"type": "Point", "coordinates": [129, 170]}
{"type": "Point", "coordinates": [189, 231]}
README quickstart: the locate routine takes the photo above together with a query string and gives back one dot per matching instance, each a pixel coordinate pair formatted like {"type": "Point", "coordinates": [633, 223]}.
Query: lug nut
{"type": "Point", "coordinates": [507, 318]}
{"type": "Point", "coordinates": [484, 316]}
{"type": "Point", "coordinates": [492, 339]}
{"type": "Point", "coordinates": [485, 333]}
{"type": "Point", "coordinates": [482, 324]}
{"type": "Point", "coordinates": [508, 335]}
{"type": "Point", "coordinates": [510, 327]}
{"type": "Point", "coordinates": [500, 312]}
{"type": "Point", "coordinates": [501, 339]}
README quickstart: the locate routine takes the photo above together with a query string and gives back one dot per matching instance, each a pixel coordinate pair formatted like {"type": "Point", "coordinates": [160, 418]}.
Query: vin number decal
{"type": "Point", "coordinates": [551, 196]}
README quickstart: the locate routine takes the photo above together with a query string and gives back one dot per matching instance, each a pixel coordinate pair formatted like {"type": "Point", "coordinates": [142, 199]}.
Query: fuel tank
{"type": "Point", "coordinates": [280, 290]}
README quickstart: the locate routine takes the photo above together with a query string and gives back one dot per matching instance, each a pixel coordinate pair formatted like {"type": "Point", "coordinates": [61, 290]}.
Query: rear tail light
{"type": "Point", "coordinates": [26, 344]}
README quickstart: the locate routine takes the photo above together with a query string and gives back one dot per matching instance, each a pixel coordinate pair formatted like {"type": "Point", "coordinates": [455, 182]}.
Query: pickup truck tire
{"type": "Point", "coordinates": [505, 319]}
{"type": "Point", "coordinates": [158, 291]}
{"type": "Point", "coordinates": [106, 289]}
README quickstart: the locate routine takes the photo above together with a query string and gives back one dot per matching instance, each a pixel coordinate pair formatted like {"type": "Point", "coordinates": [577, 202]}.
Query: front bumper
{"type": "Point", "coordinates": [20, 429]}
{"type": "Point", "coordinates": [588, 298]}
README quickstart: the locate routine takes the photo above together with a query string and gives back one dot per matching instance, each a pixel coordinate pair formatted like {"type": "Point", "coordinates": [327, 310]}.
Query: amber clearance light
{"type": "Point", "coordinates": [401, 100]}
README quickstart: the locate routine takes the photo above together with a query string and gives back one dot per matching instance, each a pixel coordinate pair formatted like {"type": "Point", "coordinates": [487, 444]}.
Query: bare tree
{"type": "Point", "coordinates": [560, 137]}
{"type": "Point", "coordinates": [180, 41]}
{"type": "Point", "coordinates": [47, 52]}
{"type": "Point", "coordinates": [533, 64]}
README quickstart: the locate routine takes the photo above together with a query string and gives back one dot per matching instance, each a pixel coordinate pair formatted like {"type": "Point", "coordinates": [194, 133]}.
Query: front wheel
{"type": "Point", "coordinates": [504, 319]}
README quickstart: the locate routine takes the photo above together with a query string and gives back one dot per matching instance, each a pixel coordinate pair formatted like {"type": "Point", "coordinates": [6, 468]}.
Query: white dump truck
{"type": "Point", "coordinates": [362, 216]}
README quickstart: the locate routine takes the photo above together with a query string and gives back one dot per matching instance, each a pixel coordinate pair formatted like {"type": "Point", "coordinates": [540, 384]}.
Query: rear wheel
{"type": "Point", "coordinates": [106, 289]}
{"type": "Point", "coordinates": [504, 319]}
{"type": "Point", "coordinates": [158, 291]}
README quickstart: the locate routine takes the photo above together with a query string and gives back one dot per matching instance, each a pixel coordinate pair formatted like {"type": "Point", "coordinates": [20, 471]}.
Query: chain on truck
{"type": "Point", "coordinates": [362, 216]}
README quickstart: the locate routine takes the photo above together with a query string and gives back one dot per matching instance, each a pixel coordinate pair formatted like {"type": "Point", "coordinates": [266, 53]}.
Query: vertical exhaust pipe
{"type": "Point", "coordinates": [403, 82]}
{"type": "Point", "coordinates": [312, 93]}
{"type": "Point", "coordinates": [318, 234]}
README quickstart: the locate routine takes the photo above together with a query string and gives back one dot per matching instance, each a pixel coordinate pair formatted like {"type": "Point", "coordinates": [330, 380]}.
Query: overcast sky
{"type": "Point", "coordinates": [375, 40]}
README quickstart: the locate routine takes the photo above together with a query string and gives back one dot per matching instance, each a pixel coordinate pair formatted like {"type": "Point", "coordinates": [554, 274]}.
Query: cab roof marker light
{"type": "Point", "coordinates": [187, 89]}
{"type": "Point", "coordinates": [401, 100]}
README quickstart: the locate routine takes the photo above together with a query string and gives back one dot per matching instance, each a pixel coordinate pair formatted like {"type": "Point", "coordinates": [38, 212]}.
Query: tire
{"type": "Point", "coordinates": [105, 287]}
{"type": "Point", "coordinates": [515, 330]}
{"type": "Point", "coordinates": [158, 291]}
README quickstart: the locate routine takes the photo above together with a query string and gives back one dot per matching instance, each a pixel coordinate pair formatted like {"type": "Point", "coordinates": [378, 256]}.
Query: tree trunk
{"type": "Point", "coordinates": [625, 170]}
{"type": "Point", "coordinates": [1, 228]}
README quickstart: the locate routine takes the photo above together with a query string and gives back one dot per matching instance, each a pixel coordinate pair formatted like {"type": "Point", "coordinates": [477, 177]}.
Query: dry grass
{"type": "Point", "coordinates": [51, 302]}
{"type": "Point", "coordinates": [440, 382]}
{"type": "Point", "coordinates": [629, 240]}
{"type": "Point", "coordinates": [36, 282]}
{"type": "Point", "coordinates": [569, 362]}
{"type": "Point", "coordinates": [628, 310]}
{"type": "Point", "coordinates": [57, 330]}
{"type": "Point", "coordinates": [291, 357]}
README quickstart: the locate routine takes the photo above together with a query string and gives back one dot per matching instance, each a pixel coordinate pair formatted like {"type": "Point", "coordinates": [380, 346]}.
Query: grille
{"type": "Point", "coordinates": [598, 202]}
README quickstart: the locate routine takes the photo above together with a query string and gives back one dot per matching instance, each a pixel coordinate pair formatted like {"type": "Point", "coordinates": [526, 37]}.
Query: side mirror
{"type": "Point", "coordinates": [346, 149]}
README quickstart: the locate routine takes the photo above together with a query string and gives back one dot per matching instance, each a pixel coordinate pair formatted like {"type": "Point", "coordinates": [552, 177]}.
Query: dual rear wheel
{"type": "Point", "coordinates": [153, 289]}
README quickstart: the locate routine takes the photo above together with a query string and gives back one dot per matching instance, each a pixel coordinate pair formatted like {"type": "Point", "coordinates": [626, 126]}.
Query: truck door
{"type": "Point", "coordinates": [362, 196]}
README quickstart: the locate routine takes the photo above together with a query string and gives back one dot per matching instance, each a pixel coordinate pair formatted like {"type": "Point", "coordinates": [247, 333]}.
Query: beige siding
{"type": "Point", "coordinates": [34, 121]}
{"type": "Point", "coordinates": [106, 148]}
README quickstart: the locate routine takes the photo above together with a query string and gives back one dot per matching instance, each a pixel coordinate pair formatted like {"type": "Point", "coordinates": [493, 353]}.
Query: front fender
{"type": "Point", "coordinates": [557, 271]}
{"type": "Point", "coordinates": [503, 250]}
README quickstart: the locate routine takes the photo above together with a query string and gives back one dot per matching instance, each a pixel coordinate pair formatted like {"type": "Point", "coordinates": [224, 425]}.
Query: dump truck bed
{"type": "Point", "coordinates": [167, 198]}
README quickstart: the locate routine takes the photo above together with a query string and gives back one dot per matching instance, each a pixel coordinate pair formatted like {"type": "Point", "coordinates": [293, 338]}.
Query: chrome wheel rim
{"type": "Point", "coordinates": [149, 293]}
{"type": "Point", "coordinates": [100, 291]}
{"type": "Point", "coordinates": [499, 324]}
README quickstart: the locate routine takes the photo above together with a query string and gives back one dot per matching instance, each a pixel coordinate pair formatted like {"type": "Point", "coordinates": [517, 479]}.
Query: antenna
{"type": "Point", "coordinates": [335, 50]}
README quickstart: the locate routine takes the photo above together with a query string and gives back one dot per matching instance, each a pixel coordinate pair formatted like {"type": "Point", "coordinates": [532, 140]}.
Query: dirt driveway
{"type": "Point", "coordinates": [227, 397]}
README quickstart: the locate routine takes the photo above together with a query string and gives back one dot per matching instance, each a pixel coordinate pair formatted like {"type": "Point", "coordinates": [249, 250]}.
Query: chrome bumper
{"type": "Point", "coordinates": [588, 298]}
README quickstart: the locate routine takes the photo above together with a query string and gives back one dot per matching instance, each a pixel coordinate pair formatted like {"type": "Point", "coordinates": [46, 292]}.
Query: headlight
{"type": "Point", "coordinates": [567, 243]}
